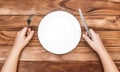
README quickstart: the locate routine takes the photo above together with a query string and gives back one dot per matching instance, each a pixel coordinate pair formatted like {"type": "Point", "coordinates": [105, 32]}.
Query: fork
{"type": "Point", "coordinates": [29, 19]}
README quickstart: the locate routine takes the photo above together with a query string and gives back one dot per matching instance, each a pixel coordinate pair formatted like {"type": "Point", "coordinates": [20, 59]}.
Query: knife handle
{"type": "Point", "coordinates": [89, 34]}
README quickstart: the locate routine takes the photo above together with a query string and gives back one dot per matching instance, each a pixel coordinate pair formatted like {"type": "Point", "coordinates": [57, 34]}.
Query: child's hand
{"type": "Point", "coordinates": [96, 42]}
{"type": "Point", "coordinates": [23, 37]}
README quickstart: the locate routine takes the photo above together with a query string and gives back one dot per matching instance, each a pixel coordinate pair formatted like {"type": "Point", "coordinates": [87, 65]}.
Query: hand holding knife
{"type": "Point", "coordinates": [84, 23]}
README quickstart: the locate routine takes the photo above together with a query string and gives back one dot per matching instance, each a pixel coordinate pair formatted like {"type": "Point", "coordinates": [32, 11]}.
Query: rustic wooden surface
{"type": "Point", "coordinates": [101, 15]}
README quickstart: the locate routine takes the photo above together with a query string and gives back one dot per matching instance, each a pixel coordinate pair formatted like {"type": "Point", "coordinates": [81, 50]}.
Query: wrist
{"type": "Point", "coordinates": [15, 52]}
{"type": "Point", "coordinates": [17, 49]}
{"type": "Point", "coordinates": [103, 54]}
{"type": "Point", "coordinates": [18, 46]}
{"type": "Point", "coordinates": [101, 50]}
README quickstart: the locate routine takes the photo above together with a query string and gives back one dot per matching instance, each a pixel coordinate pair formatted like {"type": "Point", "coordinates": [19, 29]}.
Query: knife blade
{"type": "Point", "coordinates": [84, 23]}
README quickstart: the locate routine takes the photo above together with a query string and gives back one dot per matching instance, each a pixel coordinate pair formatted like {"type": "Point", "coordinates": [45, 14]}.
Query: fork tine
{"type": "Point", "coordinates": [31, 16]}
{"type": "Point", "coordinates": [29, 19]}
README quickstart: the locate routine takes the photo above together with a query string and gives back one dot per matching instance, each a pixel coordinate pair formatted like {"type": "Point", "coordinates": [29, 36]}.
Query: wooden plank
{"type": "Point", "coordinates": [59, 66]}
{"type": "Point", "coordinates": [75, 66]}
{"type": "Point", "coordinates": [42, 7]}
{"type": "Point", "coordinates": [37, 53]}
{"type": "Point", "coordinates": [101, 15]}
{"type": "Point", "coordinates": [7, 39]}
{"type": "Point", "coordinates": [34, 50]}
{"type": "Point", "coordinates": [12, 23]}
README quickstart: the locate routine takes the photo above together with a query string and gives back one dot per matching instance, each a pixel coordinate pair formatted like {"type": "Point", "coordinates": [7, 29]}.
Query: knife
{"type": "Point", "coordinates": [84, 23]}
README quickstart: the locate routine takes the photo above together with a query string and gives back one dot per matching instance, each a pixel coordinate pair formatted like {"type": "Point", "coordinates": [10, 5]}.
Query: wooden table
{"type": "Point", "coordinates": [101, 15]}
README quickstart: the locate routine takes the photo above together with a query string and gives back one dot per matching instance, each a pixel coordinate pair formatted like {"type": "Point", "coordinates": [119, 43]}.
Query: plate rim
{"type": "Point", "coordinates": [80, 34]}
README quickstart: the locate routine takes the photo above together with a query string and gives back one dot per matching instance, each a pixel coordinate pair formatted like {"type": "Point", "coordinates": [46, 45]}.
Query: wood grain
{"type": "Point", "coordinates": [40, 7]}
{"type": "Point", "coordinates": [101, 15]}
{"type": "Point", "coordinates": [46, 66]}
{"type": "Point", "coordinates": [109, 31]}
{"type": "Point", "coordinates": [37, 53]}
{"type": "Point", "coordinates": [108, 39]}
{"type": "Point", "coordinates": [13, 23]}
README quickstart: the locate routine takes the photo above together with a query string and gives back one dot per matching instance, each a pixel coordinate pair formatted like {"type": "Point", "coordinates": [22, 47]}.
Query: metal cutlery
{"type": "Point", "coordinates": [84, 23]}
{"type": "Point", "coordinates": [29, 19]}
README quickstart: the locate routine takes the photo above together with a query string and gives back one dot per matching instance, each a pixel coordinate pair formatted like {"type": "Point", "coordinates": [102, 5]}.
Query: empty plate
{"type": "Point", "coordinates": [59, 32]}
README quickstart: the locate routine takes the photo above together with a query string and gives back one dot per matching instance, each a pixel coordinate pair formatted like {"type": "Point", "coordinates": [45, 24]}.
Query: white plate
{"type": "Point", "coordinates": [59, 32]}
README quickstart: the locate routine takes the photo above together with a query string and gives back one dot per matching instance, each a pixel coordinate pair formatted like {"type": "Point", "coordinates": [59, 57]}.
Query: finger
{"type": "Point", "coordinates": [29, 36]}
{"type": "Point", "coordinates": [28, 32]}
{"type": "Point", "coordinates": [92, 32]}
{"type": "Point", "coordinates": [87, 39]}
{"type": "Point", "coordinates": [29, 29]}
{"type": "Point", "coordinates": [88, 33]}
{"type": "Point", "coordinates": [24, 30]}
